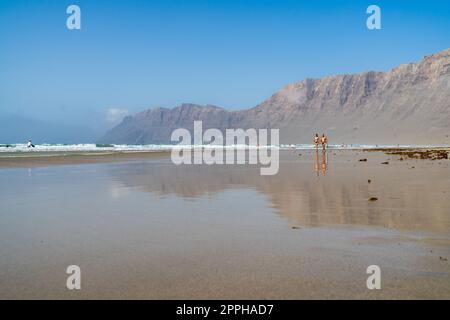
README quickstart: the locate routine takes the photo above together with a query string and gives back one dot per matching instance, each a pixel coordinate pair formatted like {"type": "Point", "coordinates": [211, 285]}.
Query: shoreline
{"type": "Point", "coordinates": [43, 159]}
{"type": "Point", "coordinates": [52, 158]}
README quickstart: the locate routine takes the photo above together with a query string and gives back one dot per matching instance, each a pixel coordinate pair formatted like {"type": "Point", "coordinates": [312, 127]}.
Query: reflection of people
{"type": "Point", "coordinates": [324, 141]}
{"type": "Point", "coordinates": [316, 140]}
{"type": "Point", "coordinates": [30, 144]}
{"type": "Point", "coordinates": [316, 162]}
{"type": "Point", "coordinates": [324, 162]}
{"type": "Point", "coordinates": [323, 165]}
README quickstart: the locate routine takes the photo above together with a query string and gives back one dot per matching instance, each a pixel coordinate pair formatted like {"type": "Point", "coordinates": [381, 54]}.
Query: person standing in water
{"type": "Point", "coordinates": [316, 140]}
{"type": "Point", "coordinates": [324, 141]}
{"type": "Point", "coordinates": [30, 144]}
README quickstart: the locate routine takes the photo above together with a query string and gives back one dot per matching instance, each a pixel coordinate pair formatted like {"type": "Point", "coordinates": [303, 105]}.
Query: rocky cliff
{"type": "Point", "coordinates": [409, 104]}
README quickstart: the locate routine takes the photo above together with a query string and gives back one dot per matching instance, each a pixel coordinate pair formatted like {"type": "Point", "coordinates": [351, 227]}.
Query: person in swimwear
{"type": "Point", "coordinates": [316, 141]}
{"type": "Point", "coordinates": [324, 141]}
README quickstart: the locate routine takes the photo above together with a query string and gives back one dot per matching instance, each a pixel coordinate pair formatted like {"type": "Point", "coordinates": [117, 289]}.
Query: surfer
{"type": "Point", "coordinates": [30, 144]}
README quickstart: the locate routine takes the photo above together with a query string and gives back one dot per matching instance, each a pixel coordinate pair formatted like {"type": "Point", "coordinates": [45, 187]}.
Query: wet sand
{"type": "Point", "coordinates": [43, 159]}
{"type": "Point", "coordinates": [145, 228]}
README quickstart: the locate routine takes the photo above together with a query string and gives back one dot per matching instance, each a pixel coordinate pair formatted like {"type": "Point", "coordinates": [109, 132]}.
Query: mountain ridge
{"type": "Point", "coordinates": [409, 103]}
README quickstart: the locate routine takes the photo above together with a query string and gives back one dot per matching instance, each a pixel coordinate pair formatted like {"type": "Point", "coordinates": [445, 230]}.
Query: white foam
{"type": "Point", "coordinates": [22, 148]}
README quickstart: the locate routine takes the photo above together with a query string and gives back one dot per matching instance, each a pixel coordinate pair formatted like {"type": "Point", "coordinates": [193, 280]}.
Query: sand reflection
{"type": "Point", "coordinates": [321, 163]}
{"type": "Point", "coordinates": [295, 193]}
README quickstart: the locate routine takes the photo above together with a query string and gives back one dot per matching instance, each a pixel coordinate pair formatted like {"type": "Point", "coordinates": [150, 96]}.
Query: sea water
{"type": "Point", "coordinates": [88, 147]}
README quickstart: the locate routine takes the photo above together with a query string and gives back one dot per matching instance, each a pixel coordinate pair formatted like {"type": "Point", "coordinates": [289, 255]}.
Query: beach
{"type": "Point", "coordinates": [44, 159]}
{"type": "Point", "coordinates": [141, 227]}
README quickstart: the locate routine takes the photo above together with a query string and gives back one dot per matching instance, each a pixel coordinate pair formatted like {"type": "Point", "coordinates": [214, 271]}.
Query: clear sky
{"type": "Point", "coordinates": [135, 54]}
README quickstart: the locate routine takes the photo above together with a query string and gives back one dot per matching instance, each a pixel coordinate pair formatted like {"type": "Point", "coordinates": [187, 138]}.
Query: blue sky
{"type": "Point", "coordinates": [137, 54]}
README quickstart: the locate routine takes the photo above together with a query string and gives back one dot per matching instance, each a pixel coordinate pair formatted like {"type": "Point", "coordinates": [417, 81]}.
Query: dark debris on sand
{"type": "Point", "coordinates": [431, 154]}
{"type": "Point", "coordinates": [423, 154]}
{"type": "Point", "coordinates": [439, 153]}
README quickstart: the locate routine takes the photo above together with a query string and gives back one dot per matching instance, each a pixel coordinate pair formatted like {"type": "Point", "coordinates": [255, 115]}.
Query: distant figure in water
{"type": "Point", "coordinates": [316, 140]}
{"type": "Point", "coordinates": [324, 141]}
{"type": "Point", "coordinates": [30, 144]}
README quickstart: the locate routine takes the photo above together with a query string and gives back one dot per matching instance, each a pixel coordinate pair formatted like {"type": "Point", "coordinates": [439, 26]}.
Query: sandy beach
{"type": "Point", "coordinates": [140, 227]}
{"type": "Point", "coordinates": [43, 159]}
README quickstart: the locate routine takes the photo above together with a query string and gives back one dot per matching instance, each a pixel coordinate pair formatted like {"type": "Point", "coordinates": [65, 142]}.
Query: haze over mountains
{"type": "Point", "coordinates": [18, 129]}
{"type": "Point", "coordinates": [409, 104]}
